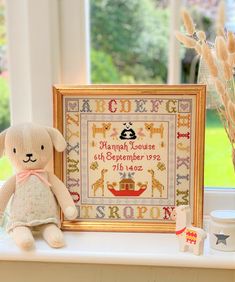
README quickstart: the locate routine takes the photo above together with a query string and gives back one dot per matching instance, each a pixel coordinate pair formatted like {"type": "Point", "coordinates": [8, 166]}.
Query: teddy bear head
{"type": "Point", "coordinates": [30, 146]}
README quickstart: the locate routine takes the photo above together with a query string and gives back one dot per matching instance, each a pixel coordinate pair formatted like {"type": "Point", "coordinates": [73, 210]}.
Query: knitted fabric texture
{"type": "Point", "coordinates": [33, 204]}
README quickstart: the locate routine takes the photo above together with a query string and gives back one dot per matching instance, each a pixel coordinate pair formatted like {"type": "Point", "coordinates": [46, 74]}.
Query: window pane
{"type": "Point", "coordinates": [5, 167]}
{"type": "Point", "coordinates": [219, 170]}
{"type": "Point", "coordinates": [129, 41]}
{"type": "Point", "coordinates": [218, 154]}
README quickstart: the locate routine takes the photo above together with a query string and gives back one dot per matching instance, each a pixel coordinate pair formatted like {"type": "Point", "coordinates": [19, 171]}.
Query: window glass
{"type": "Point", "coordinates": [129, 44]}
{"type": "Point", "coordinates": [5, 167]}
{"type": "Point", "coordinates": [129, 41]}
{"type": "Point", "coordinates": [219, 171]}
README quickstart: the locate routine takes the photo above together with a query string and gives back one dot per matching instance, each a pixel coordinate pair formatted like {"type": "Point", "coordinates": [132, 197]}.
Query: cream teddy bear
{"type": "Point", "coordinates": [35, 191]}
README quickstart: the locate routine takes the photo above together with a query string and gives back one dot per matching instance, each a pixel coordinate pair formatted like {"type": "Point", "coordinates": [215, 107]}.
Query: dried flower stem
{"type": "Point", "coordinates": [231, 42]}
{"type": "Point", "coordinates": [220, 65]}
{"type": "Point", "coordinates": [220, 19]}
{"type": "Point", "coordinates": [208, 57]}
{"type": "Point", "coordinates": [221, 14]}
{"type": "Point", "coordinates": [188, 22]}
{"type": "Point", "coordinates": [187, 41]}
{"type": "Point", "coordinates": [201, 35]}
{"type": "Point", "coordinates": [221, 48]}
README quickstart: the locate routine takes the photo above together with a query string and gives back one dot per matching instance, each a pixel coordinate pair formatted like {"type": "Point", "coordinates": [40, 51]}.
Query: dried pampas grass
{"type": "Point", "coordinates": [188, 22]}
{"type": "Point", "coordinates": [219, 59]}
{"type": "Point", "coordinates": [220, 31]}
{"type": "Point", "coordinates": [227, 71]}
{"type": "Point", "coordinates": [206, 53]}
{"type": "Point", "coordinates": [225, 100]}
{"type": "Point", "coordinates": [231, 111]}
{"type": "Point", "coordinates": [232, 138]}
{"type": "Point", "coordinates": [232, 59]}
{"type": "Point", "coordinates": [221, 48]}
{"type": "Point", "coordinates": [220, 87]}
{"type": "Point", "coordinates": [213, 69]}
{"type": "Point", "coordinates": [208, 57]}
{"type": "Point", "coordinates": [231, 42]}
{"type": "Point", "coordinates": [198, 48]}
{"type": "Point", "coordinates": [187, 41]}
{"type": "Point", "coordinates": [220, 19]}
{"type": "Point", "coordinates": [221, 14]}
{"type": "Point", "coordinates": [201, 35]}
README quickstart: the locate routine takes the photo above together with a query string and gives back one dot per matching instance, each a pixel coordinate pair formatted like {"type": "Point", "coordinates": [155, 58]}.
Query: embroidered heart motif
{"type": "Point", "coordinates": [184, 106]}
{"type": "Point", "coordinates": [72, 106]}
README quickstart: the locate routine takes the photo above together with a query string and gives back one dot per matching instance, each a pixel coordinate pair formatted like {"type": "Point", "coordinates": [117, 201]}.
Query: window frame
{"type": "Point", "coordinates": [31, 42]}
{"type": "Point", "coordinates": [40, 53]}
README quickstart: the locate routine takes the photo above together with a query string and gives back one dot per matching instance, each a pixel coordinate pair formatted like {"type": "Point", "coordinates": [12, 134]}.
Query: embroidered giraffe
{"type": "Point", "coordinates": [156, 184]}
{"type": "Point", "coordinates": [99, 183]}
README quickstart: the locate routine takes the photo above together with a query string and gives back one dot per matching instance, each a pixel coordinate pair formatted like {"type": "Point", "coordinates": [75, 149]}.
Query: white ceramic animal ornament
{"type": "Point", "coordinates": [35, 191]}
{"type": "Point", "coordinates": [187, 234]}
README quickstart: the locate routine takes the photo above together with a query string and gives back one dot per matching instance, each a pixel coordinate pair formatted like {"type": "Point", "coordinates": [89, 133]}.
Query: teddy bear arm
{"type": "Point", "coordinates": [6, 192]}
{"type": "Point", "coordinates": [63, 196]}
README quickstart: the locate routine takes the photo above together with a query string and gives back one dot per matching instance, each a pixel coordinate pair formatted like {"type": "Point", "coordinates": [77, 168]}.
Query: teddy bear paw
{"type": "Point", "coordinates": [56, 240]}
{"type": "Point", "coordinates": [26, 243]}
{"type": "Point", "coordinates": [71, 213]}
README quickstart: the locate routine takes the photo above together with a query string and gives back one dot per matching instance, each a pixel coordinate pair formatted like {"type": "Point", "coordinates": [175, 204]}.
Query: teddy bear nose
{"type": "Point", "coordinates": [29, 155]}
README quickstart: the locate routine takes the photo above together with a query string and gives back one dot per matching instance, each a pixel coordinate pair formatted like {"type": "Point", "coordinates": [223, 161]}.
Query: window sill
{"type": "Point", "coordinates": [129, 248]}
{"type": "Point", "coordinates": [119, 249]}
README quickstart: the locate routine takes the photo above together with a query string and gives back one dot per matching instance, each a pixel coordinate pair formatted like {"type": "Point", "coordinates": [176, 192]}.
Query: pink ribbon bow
{"type": "Point", "coordinates": [23, 175]}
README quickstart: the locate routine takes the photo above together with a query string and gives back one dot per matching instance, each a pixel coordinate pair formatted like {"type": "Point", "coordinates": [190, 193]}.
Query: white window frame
{"type": "Point", "coordinates": [174, 61]}
{"type": "Point", "coordinates": [54, 50]}
{"type": "Point", "coordinates": [57, 50]}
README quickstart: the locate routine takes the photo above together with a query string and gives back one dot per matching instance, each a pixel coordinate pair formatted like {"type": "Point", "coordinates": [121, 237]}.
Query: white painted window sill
{"type": "Point", "coordinates": [118, 248]}
{"type": "Point", "coordinates": [129, 248]}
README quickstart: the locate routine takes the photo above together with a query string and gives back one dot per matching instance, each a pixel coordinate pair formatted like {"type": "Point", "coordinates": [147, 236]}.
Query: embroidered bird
{"type": "Point", "coordinates": [161, 166]}
{"type": "Point", "coordinates": [94, 165]}
{"type": "Point", "coordinates": [140, 133]}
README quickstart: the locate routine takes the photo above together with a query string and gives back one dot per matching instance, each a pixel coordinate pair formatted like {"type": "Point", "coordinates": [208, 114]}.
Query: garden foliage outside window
{"type": "Point", "coordinates": [129, 44]}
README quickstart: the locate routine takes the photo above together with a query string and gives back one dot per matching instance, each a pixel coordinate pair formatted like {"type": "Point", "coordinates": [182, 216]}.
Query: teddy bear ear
{"type": "Point", "coordinates": [2, 142]}
{"type": "Point", "coordinates": [57, 139]}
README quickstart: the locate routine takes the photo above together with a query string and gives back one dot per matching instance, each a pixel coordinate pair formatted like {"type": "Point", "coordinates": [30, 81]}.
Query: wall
{"type": "Point", "coordinates": [38, 272]}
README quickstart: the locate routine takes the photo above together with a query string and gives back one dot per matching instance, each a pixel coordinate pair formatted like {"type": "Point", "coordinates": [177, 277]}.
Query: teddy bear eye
{"type": "Point", "coordinates": [42, 147]}
{"type": "Point", "coordinates": [14, 150]}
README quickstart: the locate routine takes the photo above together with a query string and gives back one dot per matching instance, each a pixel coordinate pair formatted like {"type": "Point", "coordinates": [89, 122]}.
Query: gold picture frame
{"type": "Point", "coordinates": [134, 153]}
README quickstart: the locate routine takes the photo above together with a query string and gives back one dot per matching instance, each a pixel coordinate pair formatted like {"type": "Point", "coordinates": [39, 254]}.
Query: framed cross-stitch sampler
{"type": "Point", "coordinates": [133, 154]}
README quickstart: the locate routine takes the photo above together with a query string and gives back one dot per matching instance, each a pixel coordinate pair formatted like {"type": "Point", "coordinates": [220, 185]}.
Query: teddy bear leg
{"type": "Point", "coordinates": [53, 235]}
{"type": "Point", "coordinates": [23, 237]}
